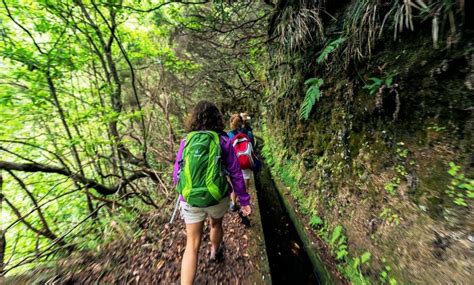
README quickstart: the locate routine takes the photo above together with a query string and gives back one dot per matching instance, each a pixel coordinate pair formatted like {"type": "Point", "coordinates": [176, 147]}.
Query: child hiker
{"type": "Point", "coordinates": [205, 157]}
{"type": "Point", "coordinates": [242, 141]}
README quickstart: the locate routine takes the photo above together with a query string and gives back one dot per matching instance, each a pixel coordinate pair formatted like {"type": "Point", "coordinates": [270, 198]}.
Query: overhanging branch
{"type": "Point", "coordinates": [87, 182]}
{"type": "Point", "coordinates": [159, 6]}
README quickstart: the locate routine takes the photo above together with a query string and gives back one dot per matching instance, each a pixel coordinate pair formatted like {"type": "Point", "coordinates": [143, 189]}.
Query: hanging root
{"type": "Point", "coordinates": [379, 99]}
{"type": "Point", "coordinates": [397, 102]}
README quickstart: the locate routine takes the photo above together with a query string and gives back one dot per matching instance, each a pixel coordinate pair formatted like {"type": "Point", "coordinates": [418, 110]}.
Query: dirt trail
{"type": "Point", "coordinates": [154, 257]}
{"type": "Point", "coordinates": [233, 270]}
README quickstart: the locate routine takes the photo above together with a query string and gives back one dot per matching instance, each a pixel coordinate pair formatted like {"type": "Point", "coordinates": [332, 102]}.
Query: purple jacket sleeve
{"type": "Point", "coordinates": [179, 155]}
{"type": "Point", "coordinates": [232, 165]}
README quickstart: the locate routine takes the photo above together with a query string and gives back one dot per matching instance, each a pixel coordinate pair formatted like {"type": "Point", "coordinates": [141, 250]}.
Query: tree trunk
{"type": "Point", "coordinates": [3, 241]}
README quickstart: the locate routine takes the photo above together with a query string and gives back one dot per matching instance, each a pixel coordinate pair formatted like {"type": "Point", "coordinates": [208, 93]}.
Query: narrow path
{"type": "Point", "coordinates": [154, 256]}
{"type": "Point", "coordinates": [238, 265]}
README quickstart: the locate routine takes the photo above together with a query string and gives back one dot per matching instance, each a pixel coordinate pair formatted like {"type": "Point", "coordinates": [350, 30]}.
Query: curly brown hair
{"type": "Point", "coordinates": [235, 122]}
{"type": "Point", "coordinates": [205, 116]}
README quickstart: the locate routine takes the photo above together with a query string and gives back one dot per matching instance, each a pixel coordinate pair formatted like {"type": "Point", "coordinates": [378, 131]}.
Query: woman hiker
{"type": "Point", "coordinates": [239, 135]}
{"type": "Point", "coordinates": [205, 157]}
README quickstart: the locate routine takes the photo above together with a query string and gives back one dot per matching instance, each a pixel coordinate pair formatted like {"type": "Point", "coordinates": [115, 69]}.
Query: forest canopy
{"type": "Point", "coordinates": [92, 100]}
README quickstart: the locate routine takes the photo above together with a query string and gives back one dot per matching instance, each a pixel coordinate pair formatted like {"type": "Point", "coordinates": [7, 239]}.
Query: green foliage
{"type": "Point", "coordinates": [266, 152]}
{"type": "Point", "coordinates": [338, 242]}
{"type": "Point", "coordinates": [341, 252]}
{"type": "Point", "coordinates": [384, 276]}
{"type": "Point", "coordinates": [392, 186]}
{"type": "Point", "coordinates": [374, 86]}
{"type": "Point", "coordinates": [330, 48]}
{"type": "Point", "coordinates": [304, 203]}
{"type": "Point", "coordinates": [313, 93]}
{"type": "Point", "coordinates": [389, 216]}
{"type": "Point", "coordinates": [316, 222]}
{"type": "Point", "coordinates": [353, 268]}
{"type": "Point", "coordinates": [287, 171]}
{"type": "Point", "coordinates": [436, 128]}
{"type": "Point", "coordinates": [461, 188]}
{"type": "Point", "coordinates": [336, 234]}
{"type": "Point", "coordinates": [402, 151]}
{"type": "Point", "coordinates": [77, 127]}
{"type": "Point", "coordinates": [401, 172]}
{"type": "Point", "coordinates": [377, 83]}
{"type": "Point", "coordinates": [365, 257]}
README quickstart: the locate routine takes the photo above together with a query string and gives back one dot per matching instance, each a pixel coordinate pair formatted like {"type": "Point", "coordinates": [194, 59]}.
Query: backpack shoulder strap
{"type": "Point", "coordinates": [213, 166]}
{"type": "Point", "coordinates": [216, 139]}
{"type": "Point", "coordinates": [242, 135]}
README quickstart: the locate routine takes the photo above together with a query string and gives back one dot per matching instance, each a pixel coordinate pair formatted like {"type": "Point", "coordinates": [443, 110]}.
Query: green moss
{"type": "Point", "coordinates": [348, 144]}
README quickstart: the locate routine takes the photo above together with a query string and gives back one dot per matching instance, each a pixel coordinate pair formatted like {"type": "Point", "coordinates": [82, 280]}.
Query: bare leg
{"type": "Point", "coordinates": [190, 257]}
{"type": "Point", "coordinates": [232, 197]}
{"type": "Point", "coordinates": [217, 232]}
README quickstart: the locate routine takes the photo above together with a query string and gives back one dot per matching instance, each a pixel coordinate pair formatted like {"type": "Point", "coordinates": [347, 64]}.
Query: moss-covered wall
{"type": "Point", "coordinates": [377, 164]}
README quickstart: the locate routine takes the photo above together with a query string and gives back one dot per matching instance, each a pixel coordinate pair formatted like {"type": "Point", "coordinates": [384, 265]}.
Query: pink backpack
{"type": "Point", "coordinates": [244, 150]}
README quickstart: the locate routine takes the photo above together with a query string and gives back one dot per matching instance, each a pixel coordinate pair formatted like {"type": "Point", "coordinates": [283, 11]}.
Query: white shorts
{"type": "Point", "coordinates": [247, 173]}
{"type": "Point", "coordinates": [193, 215]}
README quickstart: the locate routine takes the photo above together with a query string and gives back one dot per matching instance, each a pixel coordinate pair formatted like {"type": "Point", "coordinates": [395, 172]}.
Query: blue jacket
{"type": "Point", "coordinates": [232, 134]}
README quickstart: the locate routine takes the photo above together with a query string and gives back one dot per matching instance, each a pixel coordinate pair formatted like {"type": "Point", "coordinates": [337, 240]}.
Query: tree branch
{"type": "Point", "coordinates": [25, 222]}
{"type": "Point", "coordinates": [56, 241]}
{"type": "Point", "coordinates": [88, 183]}
{"type": "Point", "coordinates": [39, 206]}
{"type": "Point", "coordinates": [159, 6]}
{"type": "Point", "coordinates": [38, 147]}
{"type": "Point", "coordinates": [20, 182]}
{"type": "Point", "coordinates": [21, 27]}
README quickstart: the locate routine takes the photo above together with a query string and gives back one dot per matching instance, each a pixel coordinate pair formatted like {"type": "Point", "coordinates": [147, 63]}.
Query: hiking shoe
{"type": "Point", "coordinates": [234, 207]}
{"type": "Point", "coordinates": [219, 255]}
{"type": "Point", "coordinates": [244, 220]}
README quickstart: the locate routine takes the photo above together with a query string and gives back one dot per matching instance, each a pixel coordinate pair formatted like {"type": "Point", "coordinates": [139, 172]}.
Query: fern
{"type": "Point", "coordinates": [336, 234]}
{"type": "Point", "coordinates": [374, 86]}
{"type": "Point", "coordinates": [312, 95]}
{"type": "Point", "coordinates": [378, 82]}
{"type": "Point", "coordinates": [315, 222]}
{"type": "Point", "coordinates": [330, 48]}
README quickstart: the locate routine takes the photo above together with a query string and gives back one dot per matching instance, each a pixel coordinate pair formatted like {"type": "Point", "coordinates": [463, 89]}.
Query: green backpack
{"type": "Point", "coordinates": [202, 180]}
